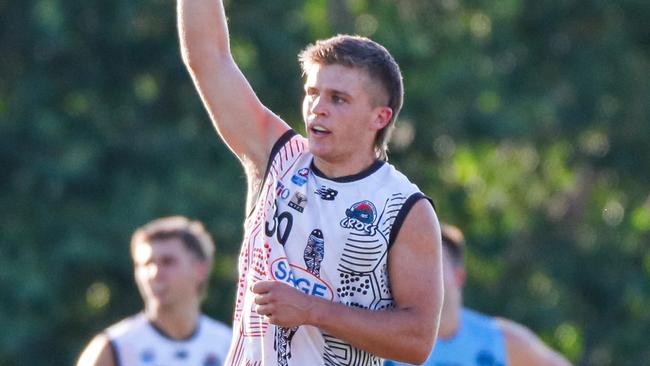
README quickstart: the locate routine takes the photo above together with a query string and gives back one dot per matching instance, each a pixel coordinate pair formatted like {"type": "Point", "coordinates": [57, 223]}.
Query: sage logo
{"type": "Point", "coordinates": [300, 278]}
{"type": "Point", "coordinates": [361, 217]}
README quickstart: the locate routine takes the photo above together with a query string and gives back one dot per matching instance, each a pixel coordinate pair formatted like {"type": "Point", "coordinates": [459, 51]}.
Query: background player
{"type": "Point", "coordinates": [468, 338]}
{"type": "Point", "coordinates": [172, 258]}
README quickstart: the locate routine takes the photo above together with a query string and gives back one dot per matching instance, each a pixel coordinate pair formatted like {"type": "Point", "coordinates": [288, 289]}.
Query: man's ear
{"type": "Point", "coordinates": [202, 270]}
{"type": "Point", "coordinates": [382, 117]}
{"type": "Point", "coordinates": [461, 276]}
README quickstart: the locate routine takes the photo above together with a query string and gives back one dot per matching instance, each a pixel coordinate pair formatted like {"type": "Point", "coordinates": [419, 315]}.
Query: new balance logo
{"type": "Point", "coordinates": [328, 194]}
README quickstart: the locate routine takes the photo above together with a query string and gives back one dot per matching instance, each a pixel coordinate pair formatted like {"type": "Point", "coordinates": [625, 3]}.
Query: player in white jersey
{"type": "Point", "coordinates": [341, 258]}
{"type": "Point", "coordinates": [172, 257]}
{"type": "Point", "coordinates": [468, 338]}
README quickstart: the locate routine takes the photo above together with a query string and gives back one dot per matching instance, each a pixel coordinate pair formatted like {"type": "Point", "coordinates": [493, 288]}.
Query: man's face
{"type": "Point", "coordinates": [166, 273]}
{"type": "Point", "coordinates": [343, 111]}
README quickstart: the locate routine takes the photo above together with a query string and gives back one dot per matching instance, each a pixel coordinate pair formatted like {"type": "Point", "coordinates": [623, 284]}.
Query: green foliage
{"type": "Point", "coordinates": [527, 122]}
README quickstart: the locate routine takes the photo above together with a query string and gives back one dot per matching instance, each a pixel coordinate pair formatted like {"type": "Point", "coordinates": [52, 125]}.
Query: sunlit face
{"type": "Point", "coordinates": [342, 112]}
{"type": "Point", "coordinates": [167, 274]}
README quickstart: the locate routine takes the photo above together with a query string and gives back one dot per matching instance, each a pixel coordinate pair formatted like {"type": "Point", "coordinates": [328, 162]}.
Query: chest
{"type": "Point", "coordinates": [325, 233]}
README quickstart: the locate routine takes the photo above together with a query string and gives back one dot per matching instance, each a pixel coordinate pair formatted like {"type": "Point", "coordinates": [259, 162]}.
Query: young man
{"type": "Point", "coordinates": [340, 263]}
{"type": "Point", "coordinates": [468, 338]}
{"type": "Point", "coordinates": [172, 258]}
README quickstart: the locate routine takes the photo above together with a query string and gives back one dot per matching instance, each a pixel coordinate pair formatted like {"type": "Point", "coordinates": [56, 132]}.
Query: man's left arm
{"type": "Point", "coordinates": [407, 332]}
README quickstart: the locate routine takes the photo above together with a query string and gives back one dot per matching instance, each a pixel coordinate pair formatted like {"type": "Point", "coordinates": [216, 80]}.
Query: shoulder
{"type": "Point", "coordinates": [99, 352]}
{"type": "Point", "coordinates": [390, 174]}
{"type": "Point", "coordinates": [290, 143]}
{"type": "Point", "coordinates": [514, 332]}
{"type": "Point", "coordinates": [525, 348]}
{"type": "Point", "coordinates": [126, 325]}
{"type": "Point", "coordinates": [289, 147]}
{"type": "Point", "coordinates": [419, 219]}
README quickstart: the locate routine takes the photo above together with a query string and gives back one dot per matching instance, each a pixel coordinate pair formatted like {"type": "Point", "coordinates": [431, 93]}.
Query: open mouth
{"type": "Point", "coordinates": [319, 130]}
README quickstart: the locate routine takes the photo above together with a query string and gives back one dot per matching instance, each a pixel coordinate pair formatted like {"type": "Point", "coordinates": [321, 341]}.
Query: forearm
{"type": "Point", "coordinates": [398, 334]}
{"type": "Point", "coordinates": [203, 30]}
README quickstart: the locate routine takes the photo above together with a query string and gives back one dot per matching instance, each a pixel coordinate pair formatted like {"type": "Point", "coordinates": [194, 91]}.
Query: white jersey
{"type": "Point", "coordinates": [135, 341]}
{"type": "Point", "coordinates": [326, 237]}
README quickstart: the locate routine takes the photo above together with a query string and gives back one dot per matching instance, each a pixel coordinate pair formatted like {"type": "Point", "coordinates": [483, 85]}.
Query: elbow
{"type": "Point", "coordinates": [420, 340]}
{"type": "Point", "coordinates": [420, 350]}
{"type": "Point", "coordinates": [417, 359]}
{"type": "Point", "coordinates": [424, 341]}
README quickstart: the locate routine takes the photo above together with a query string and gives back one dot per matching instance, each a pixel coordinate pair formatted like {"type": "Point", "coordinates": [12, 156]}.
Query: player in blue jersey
{"type": "Point", "coordinates": [172, 257]}
{"type": "Point", "coordinates": [468, 338]}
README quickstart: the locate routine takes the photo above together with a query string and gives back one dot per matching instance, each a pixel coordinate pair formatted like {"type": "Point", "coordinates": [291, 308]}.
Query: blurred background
{"type": "Point", "coordinates": [527, 122]}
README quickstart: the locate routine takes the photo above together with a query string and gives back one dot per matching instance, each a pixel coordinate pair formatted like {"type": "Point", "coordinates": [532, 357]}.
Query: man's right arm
{"type": "Point", "coordinates": [246, 126]}
{"type": "Point", "coordinates": [97, 353]}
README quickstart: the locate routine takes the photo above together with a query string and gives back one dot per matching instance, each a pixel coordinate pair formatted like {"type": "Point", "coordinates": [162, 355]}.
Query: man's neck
{"type": "Point", "coordinates": [175, 323]}
{"type": "Point", "coordinates": [348, 167]}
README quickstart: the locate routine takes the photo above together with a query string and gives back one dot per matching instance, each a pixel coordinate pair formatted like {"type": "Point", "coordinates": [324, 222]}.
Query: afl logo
{"type": "Point", "coordinates": [361, 217]}
{"type": "Point", "coordinates": [301, 178]}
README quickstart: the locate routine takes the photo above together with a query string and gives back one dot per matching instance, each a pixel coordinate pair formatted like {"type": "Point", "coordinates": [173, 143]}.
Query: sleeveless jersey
{"type": "Point", "coordinates": [479, 342]}
{"type": "Point", "coordinates": [326, 237]}
{"type": "Point", "coordinates": [137, 342]}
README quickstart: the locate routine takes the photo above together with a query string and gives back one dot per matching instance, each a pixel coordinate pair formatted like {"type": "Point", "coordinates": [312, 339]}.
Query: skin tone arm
{"type": "Point", "coordinates": [246, 126]}
{"type": "Point", "coordinates": [525, 349]}
{"type": "Point", "coordinates": [416, 280]}
{"type": "Point", "coordinates": [97, 353]}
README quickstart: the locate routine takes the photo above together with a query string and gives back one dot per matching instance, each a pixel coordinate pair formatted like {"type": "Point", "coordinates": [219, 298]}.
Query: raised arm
{"type": "Point", "coordinates": [405, 333]}
{"type": "Point", "coordinates": [247, 127]}
{"type": "Point", "coordinates": [524, 348]}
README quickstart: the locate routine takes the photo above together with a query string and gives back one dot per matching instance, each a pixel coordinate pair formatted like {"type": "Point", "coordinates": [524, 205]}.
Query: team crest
{"type": "Point", "coordinates": [298, 202]}
{"type": "Point", "coordinates": [301, 177]}
{"type": "Point", "coordinates": [361, 217]}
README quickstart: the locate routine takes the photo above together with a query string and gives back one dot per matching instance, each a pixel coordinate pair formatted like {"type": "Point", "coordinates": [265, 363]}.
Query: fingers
{"type": "Point", "coordinates": [262, 299]}
{"type": "Point", "coordinates": [261, 287]}
{"type": "Point", "coordinates": [265, 310]}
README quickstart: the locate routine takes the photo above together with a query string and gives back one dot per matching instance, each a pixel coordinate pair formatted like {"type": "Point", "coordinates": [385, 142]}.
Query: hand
{"type": "Point", "coordinates": [282, 304]}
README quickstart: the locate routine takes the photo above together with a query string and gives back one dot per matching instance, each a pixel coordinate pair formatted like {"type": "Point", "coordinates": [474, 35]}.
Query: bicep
{"type": "Point", "coordinates": [415, 264]}
{"type": "Point", "coordinates": [243, 122]}
{"type": "Point", "coordinates": [97, 353]}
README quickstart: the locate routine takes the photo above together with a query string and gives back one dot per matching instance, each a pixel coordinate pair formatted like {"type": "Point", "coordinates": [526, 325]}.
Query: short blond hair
{"type": "Point", "coordinates": [365, 54]}
{"type": "Point", "coordinates": [192, 233]}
